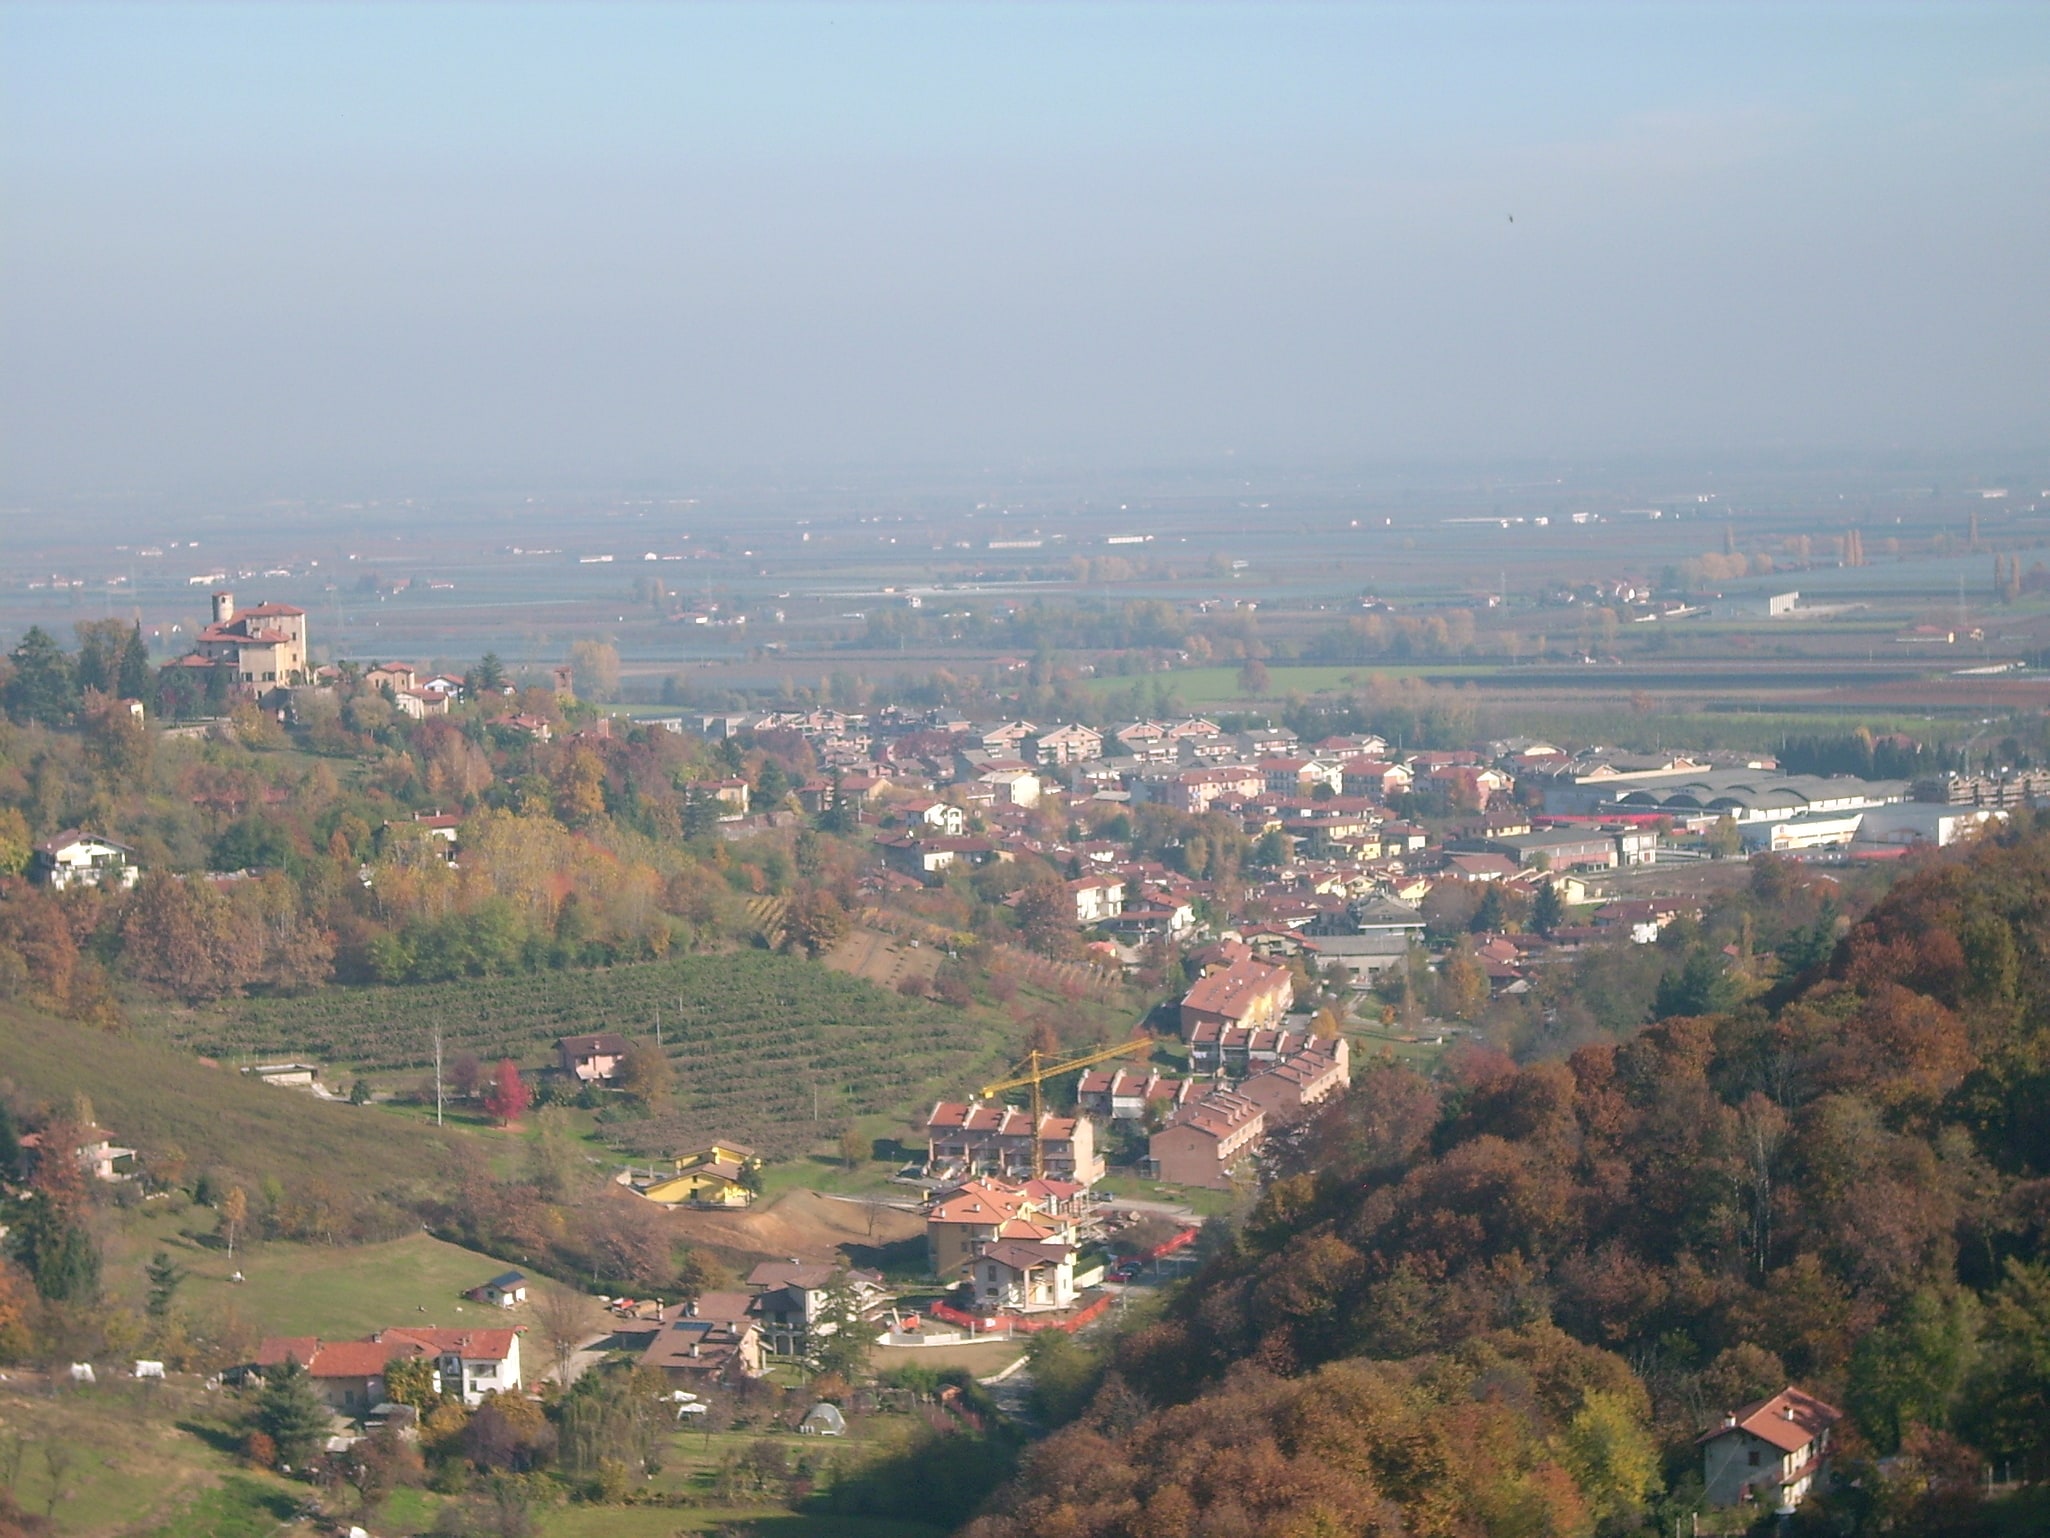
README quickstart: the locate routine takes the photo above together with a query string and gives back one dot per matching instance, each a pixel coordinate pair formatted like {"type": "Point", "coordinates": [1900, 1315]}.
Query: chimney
{"type": "Point", "coordinates": [1788, 1411]}
{"type": "Point", "coordinates": [224, 608]}
{"type": "Point", "coordinates": [696, 1349]}
{"type": "Point", "coordinates": [1729, 1421]}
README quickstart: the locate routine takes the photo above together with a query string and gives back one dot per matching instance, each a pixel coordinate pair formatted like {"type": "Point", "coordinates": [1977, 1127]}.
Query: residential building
{"type": "Point", "coordinates": [1193, 790]}
{"type": "Point", "coordinates": [1300, 1082]}
{"type": "Point", "coordinates": [78, 858]}
{"type": "Point", "coordinates": [349, 1375]}
{"type": "Point", "coordinates": [1070, 744]}
{"type": "Point", "coordinates": [1207, 1140]}
{"type": "Point", "coordinates": [714, 1176]}
{"type": "Point", "coordinates": [1097, 899]}
{"type": "Point", "coordinates": [593, 1059]}
{"type": "Point", "coordinates": [95, 1152]}
{"type": "Point", "coordinates": [710, 1339]}
{"type": "Point", "coordinates": [960, 1222]}
{"type": "Point", "coordinates": [1028, 1276]}
{"type": "Point", "coordinates": [1130, 1094]}
{"type": "Point", "coordinates": [1239, 1050]}
{"type": "Point", "coordinates": [1015, 784]}
{"type": "Point", "coordinates": [1238, 989]}
{"type": "Point", "coordinates": [265, 645]}
{"type": "Point", "coordinates": [981, 1138]}
{"type": "Point", "coordinates": [931, 812]}
{"type": "Point", "coordinates": [1773, 1451]}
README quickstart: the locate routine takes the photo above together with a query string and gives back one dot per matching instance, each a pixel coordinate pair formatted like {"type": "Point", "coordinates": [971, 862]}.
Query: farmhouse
{"type": "Point", "coordinates": [1774, 1450]}
{"type": "Point", "coordinates": [349, 1374]}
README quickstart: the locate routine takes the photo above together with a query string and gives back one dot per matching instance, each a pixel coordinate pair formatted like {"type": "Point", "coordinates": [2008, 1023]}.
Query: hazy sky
{"type": "Point", "coordinates": [313, 246]}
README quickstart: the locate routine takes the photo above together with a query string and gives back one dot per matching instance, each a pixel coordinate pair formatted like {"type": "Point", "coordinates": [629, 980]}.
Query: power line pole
{"type": "Point", "coordinates": [437, 1078]}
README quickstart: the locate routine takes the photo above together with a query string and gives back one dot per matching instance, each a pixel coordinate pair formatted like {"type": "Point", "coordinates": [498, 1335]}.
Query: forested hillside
{"type": "Point", "coordinates": [1509, 1301]}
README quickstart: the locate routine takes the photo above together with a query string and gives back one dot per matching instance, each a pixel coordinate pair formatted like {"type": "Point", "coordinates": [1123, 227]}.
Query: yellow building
{"type": "Point", "coordinates": [713, 1176]}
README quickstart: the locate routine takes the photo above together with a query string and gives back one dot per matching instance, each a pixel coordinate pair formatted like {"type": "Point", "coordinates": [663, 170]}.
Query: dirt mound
{"type": "Point", "coordinates": [802, 1224]}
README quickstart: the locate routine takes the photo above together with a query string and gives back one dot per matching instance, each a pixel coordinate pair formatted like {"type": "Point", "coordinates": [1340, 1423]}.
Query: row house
{"type": "Point", "coordinates": [1131, 1094]}
{"type": "Point", "coordinates": [986, 1138]}
{"type": "Point", "coordinates": [1239, 1051]}
{"type": "Point", "coordinates": [1207, 1140]}
{"type": "Point", "coordinates": [1300, 1082]}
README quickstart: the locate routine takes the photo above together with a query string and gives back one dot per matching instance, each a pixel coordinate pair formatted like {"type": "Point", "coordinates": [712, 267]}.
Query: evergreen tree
{"type": "Point", "coordinates": [134, 680]}
{"type": "Point", "coordinates": [1492, 915]}
{"type": "Point", "coordinates": [58, 1254]}
{"type": "Point", "coordinates": [10, 1144]}
{"type": "Point", "coordinates": [43, 688]}
{"type": "Point", "coordinates": [165, 1277]}
{"type": "Point", "coordinates": [1546, 910]}
{"type": "Point", "coordinates": [290, 1413]}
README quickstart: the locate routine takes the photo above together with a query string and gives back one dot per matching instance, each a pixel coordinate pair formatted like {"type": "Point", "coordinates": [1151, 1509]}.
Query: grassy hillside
{"type": "Point", "coordinates": [159, 1099]}
{"type": "Point", "coordinates": [766, 1047]}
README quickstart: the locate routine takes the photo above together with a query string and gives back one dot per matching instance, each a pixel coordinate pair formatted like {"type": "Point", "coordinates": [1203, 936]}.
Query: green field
{"type": "Point", "coordinates": [335, 1291]}
{"type": "Point", "coordinates": [766, 1048]}
{"type": "Point", "coordinates": [158, 1099]}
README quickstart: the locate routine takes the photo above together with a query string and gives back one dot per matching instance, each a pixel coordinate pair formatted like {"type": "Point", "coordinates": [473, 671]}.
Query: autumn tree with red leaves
{"type": "Point", "coordinates": [507, 1097]}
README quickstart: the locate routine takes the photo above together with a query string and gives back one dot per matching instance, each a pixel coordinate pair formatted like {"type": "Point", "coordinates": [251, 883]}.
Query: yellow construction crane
{"type": "Point", "coordinates": [1036, 1072]}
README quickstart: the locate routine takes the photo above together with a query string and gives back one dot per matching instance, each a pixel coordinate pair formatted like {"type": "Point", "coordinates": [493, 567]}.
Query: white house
{"type": "Point", "coordinates": [77, 858]}
{"type": "Point", "coordinates": [1026, 1275]}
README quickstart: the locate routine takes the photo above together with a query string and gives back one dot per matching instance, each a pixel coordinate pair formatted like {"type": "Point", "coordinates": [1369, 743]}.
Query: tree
{"type": "Point", "coordinates": [1914, 1371]}
{"type": "Point", "coordinates": [1492, 915]}
{"type": "Point", "coordinates": [290, 1413]}
{"type": "Point", "coordinates": [487, 677]}
{"type": "Point", "coordinates": [411, 1380]}
{"type": "Point", "coordinates": [1723, 839]}
{"type": "Point", "coordinates": [58, 1253]}
{"type": "Point", "coordinates": [1253, 679]}
{"type": "Point", "coordinates": [646, 1075]}
{"type": "Point", "coordinates": [133, 679]}
{"type": "Point", "coordinates": [839, 1338]}
{"type": "Point", "coordinates": [234, 1213]}
{"type": "Point", "coordinates": [853, 1148]}
{"type": "Point", "coordinates": [507, 1097]}
{"type": "Point", "coordinates": [165, 1277]}
{"type": "Point", "coordinates": [566, 1318]}
{"type": "Point", "coordinates": [1462, 986]}
{"type": "Point", "coordinates": [42, 689]}
{"type": "Point", "coordinates": [595, 669]}
{"type": "Point", "coordinates": [1547, 912]}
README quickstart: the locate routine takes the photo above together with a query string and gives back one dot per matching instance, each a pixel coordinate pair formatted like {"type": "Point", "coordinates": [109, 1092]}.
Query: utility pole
{"type": "Point", "coordinates": [437, 1078]}
{"type": "Point", "coordinates": [658, 1027]}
